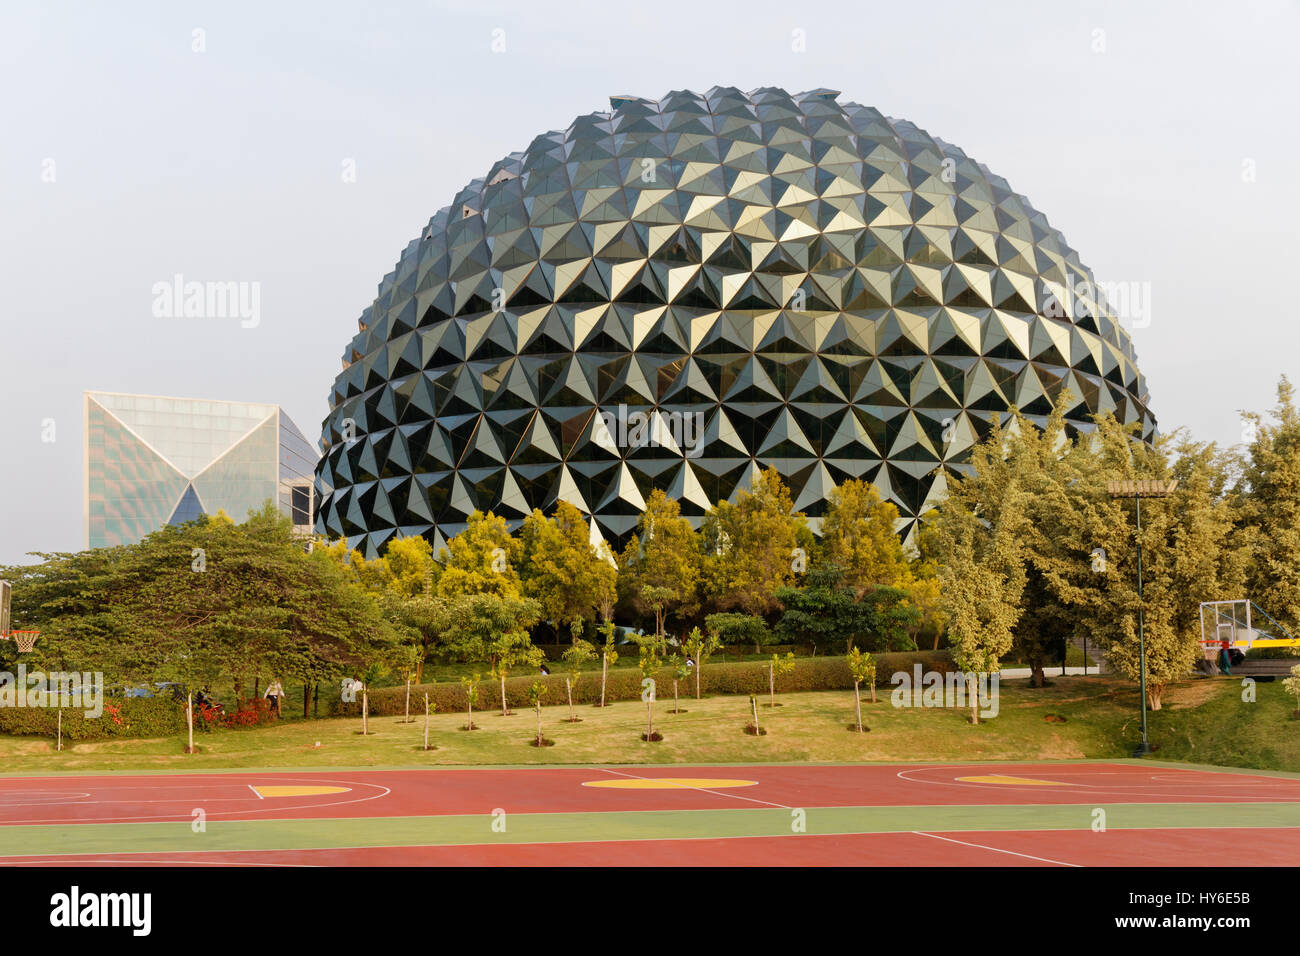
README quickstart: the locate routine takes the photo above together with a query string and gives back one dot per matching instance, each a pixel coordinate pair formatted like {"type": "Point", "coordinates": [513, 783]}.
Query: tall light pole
{"type": "Point", "coordinates": [1137, 490]}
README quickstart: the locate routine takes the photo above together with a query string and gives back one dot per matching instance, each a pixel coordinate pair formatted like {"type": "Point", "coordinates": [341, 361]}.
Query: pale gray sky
{"type": "Point", "coordinates": [226, 165]}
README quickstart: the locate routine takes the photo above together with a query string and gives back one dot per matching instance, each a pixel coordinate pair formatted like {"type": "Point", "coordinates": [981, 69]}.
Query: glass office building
{"type": "Point", "coordinates": [152, 461]}
{"type": "Point", "coordinates": [676, 293]}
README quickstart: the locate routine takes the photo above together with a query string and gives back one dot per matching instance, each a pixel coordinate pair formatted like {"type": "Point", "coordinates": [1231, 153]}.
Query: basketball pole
{"type": "Point", "coordinates": [1137, 490]}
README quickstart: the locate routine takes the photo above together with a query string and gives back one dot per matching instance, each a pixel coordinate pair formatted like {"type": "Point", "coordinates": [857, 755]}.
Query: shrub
{"type": "Point", "coordinates": [129, 717]}
{"type": "Point", "coordinates": [809, 674]}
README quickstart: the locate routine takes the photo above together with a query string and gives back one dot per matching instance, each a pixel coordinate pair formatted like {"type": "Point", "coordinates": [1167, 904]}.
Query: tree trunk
{"type": "Point", "coordinates": [426, 721]}
{"type": "Point", "coordinates": [189, 721]}
{"type": "Point", "coordinates": [649, 719]}
{"type": "Point", "coordinates": [753, 705]}
{"type": "Point", "coordinates": [539, 723]}
{"type": "Point", "coordinates": [60, 744]}
{"type": "Point", "coordinates": [771, 685]}
{"type": "Point", "coordinates": [315, 699]}
{"type": "Point", "coordinates": [604, 670]}
{"type": "Point", "coordinates": [1037, 679]}
{"type": "Point", "coordinates": [698, 664]}
{"type": "Point", "coordinates": [407, 718]}
{"type": "Point", "coordinates": [1154, 693]}
{"type": "Point", "coordinates": [469, 716]}
{"type": "Point", "coordinates": [306, 699]}
{"type": "Point", "coordinates": [974, 699]}
{"type": "Point", "coordinates": [505, 711]}
{"type": "Point", "coordinates": [365, 712]}
{"type": "Point", "coordinates": [568, 689]}
{"type": "Point", "coordinates": [873, 691]}
{"type": "Point", "coordinates": [857, 700]}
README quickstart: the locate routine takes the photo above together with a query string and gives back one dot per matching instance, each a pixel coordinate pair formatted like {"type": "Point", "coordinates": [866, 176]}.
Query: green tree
{"type": "Point", "coordinates": [649, 664]}
{"type": "Point", "coordinates": [1268, 506]}
{"type": "Point", "coordinates": [776, 667]}
{"type": "Point", "coordinates": [471, 686]}
{"type": "Point", "coordinates": [981, 526]}
{"type": "Point", "coordinates": [750, 547]}
{"type": "Point", "coordinates": [681, 670]}
{"type": "Point", "coordinates": [700, 647]}
{"type": "Point", "coordinates": [822, 612]}
{"type": "Point", "coordinates": [662, 556]}
{"type": "Point", "coordinates": [608, 656]}
{"type": "Point", "coordinates": [510, 650]}
{"type": "Point", "coordinates": [536, 692]}
{"type": "Point", "coordinates": [574, 657]}
{"type": "Point", "coordinates": [862, 667]}
{"type": "Point", "coordinates": [733, 628]}
{"type": "Point", "coordinates": [480, 560]}
{"type": "Point", "coordinates": [859, 536]}
{"type": "Point", "coordinates": [562, 571]}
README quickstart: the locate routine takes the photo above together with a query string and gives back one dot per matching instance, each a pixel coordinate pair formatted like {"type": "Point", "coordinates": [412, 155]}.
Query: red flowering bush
{"type": "Point", "coordinates": [250, 713]}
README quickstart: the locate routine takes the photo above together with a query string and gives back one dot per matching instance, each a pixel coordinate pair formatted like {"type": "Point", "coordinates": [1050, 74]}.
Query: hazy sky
{"type": "Point", "coordinates": [1161, 139]}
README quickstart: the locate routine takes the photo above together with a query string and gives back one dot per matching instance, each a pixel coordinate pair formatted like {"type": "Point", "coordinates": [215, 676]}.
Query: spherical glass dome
{"type": "Point", "coordinates": [675, 293]}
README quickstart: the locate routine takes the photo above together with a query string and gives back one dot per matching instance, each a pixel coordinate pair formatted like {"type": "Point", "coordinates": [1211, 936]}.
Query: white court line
{"type": "Point", "coordinates": [64, 862]}
{"type": "Point", "coordinates": [255, 793]}
{"type": "Point", "coordinates": [718, 793]}
{"type": "Point", "coordinates": [353, 786]}
{"type": "Point", "coordinates": [981, 846]}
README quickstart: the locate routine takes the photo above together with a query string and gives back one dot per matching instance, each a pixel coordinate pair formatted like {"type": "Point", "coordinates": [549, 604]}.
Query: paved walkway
{"type": "Point", "coordinates": [1050, 671]}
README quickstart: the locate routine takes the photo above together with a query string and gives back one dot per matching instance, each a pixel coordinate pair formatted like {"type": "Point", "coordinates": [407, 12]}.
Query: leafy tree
{"type": "Point", "coordinates": [891, 619]}
{"type": "Point", "coordinates": [562, 571]}
{"type": "Point", "coordinates": [480, 560]}
{"type": "Point", "coordinates": [981, 526]}
{"type": "Point", "coordinates": [575, 656]}
{"type": "Point", "coordinates": [608, 656]}
{"type": "Point", "coordinates": [1268, 507]}
{"type": "Point", "coordinates": [659, 600]}
{"type": "Point", "coordinates": [776, 667]}
{"type": "Point", "coordinates": [535, 694]}
{"type": "Point", "coordinates": [859, 536]}
{"type": "Point", "coordinates": [750, 546]}
{"type": "Point", "coordinates": [662, 556]}
{"type": "Point", "coordinates": [862, 667]}
{"type": "Point", "coordinates": [649, 664]}
{"type": "Point", "coordinates": [469, 626]}
{"type": "Point", "coordinates": [471, 685]}
{"type": "Point", "coordinates": [700, 648]}
{"type": "Point", "coordinates": [681, 670]}
{"type": "Point", "coordinates": [510, 650]}
{"type": "Point", "coordinates": [733, 628]}
{"type": "Point", "coordinates": [1292, 685]}
{"type": "Point", "coordinates": [823, 612]}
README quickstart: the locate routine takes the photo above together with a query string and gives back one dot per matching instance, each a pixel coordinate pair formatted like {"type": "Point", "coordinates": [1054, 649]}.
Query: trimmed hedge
{"type": "Point", "coordinates": [129, 717]}
{"type": "Point", "coordinates": [624, 683]}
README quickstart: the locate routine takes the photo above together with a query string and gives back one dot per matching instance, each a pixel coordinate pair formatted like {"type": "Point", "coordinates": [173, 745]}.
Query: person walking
{"type": "Point", "coordinates": [274, 695]}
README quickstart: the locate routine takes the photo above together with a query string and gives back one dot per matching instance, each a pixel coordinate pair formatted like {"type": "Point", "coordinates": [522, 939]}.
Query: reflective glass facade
{"type": "Point", "coordinates": [151, 461]}
{"type": "Point", "coordinates": [797, 282]}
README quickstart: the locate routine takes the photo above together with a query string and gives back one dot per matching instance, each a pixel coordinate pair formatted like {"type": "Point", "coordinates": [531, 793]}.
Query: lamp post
{"type": "Point", "coordinates": [1137, 490]}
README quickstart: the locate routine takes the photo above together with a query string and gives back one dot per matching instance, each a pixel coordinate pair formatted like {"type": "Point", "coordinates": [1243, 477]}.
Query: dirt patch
{"type": "Point", "coordinates": [1192, 694]}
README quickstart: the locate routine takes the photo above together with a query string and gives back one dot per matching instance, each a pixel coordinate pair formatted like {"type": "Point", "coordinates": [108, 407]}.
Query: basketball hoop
{"type": "Point", "coordinates": [26, 640]}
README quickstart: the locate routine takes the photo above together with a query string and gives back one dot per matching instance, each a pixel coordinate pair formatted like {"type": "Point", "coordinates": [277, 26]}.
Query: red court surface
{"type": "Point", "coordinates": [372, 793]}
{"type": "Point", "coordinates": [1201, 847]}
{"type": "Point", "coordinates": [1183, 824]}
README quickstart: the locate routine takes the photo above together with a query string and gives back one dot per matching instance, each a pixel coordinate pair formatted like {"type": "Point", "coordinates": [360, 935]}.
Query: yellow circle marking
{"type": "Point", "coordinates": [670, 783]}
{"type": "Point", "coordinates": [298, 791]}
{"type": "Point", "coordinates": [1013, 781]}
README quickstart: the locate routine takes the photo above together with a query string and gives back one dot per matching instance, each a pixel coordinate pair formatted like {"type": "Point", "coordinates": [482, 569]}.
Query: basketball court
{"type": "Point", "coordinates": [1126, 813]}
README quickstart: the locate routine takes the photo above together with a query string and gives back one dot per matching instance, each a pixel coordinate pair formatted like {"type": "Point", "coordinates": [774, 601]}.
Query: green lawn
{"type": "Point", "coordinates": [1203, 721]}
